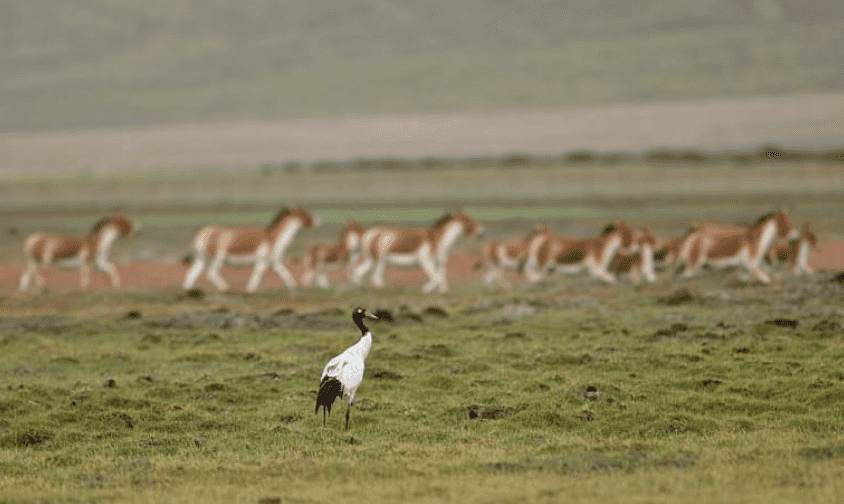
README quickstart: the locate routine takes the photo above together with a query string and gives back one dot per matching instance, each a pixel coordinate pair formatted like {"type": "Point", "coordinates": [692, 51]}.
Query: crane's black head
{"type": "Point", "coordinates": [358, 315]}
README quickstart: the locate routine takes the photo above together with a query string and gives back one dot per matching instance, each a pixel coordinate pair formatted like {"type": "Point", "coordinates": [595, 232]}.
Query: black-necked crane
{"type": "Point", "coordinates": [344, 373]}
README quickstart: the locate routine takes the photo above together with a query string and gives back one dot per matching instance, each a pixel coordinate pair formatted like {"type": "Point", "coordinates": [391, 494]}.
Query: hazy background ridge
{"type": "Point", "coordinates": [100, 63]}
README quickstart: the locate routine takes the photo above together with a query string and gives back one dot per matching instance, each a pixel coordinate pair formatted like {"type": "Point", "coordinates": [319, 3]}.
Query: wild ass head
{"type": "Point", "coordinates": [643, 236]}
{"type": "Point", "coordinates": [785, 229]}
{"type": "Point", "coordinates": [623, 231]}
{"type": "Point", "coordinates": [119, 223]}
{"type": "Point", "coordinates": [468, 226]}
{"type": "Point", "coordinates": [306, 219]}
{"type": "Point", "coordinates": [538, 230]}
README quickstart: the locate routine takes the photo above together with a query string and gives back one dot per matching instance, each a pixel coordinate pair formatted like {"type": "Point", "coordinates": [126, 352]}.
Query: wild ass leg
{"type": "Point", "coordinates": [309, 275]}
{"type": "Point", "coordinates": [442, 272]}
{"type": "Point", "coordinates": [261, 265]}
{"type": "Point", "coordinates": [195, 270]}
{"type": "Point", "coordinates": [214, 271]}
{"type": "Point", "coordinates": [359, 271]}
{"type": "Point", "coordinates": [698, 256]}
{"type": "Point", "coordinates": [757, 272]}
{"type": "Point", "coordinates": [801, 262]}
{"type": "Point", "coordinates": [636, 275]}
{"type": "Point", "coordinates": [109, 269]}
{"type": "Point", "coordinates": [597, 271]}
{"type": "Point", "coordinates": [753, 264]}
{"type": "Point", "coordinates": [647, 265]}
{"type": "Point", "coordinates": [28, 274]}
{"type": "Point", "coordinates": [84, 275]}
{"type": "Point", "coordinates": [349, 267]}
{"type": "Point", "coordinates": [493, 276]}
{"type": "Point", "coordinates": [429, 266]}
{"type": "Point", "coordinates": [322, 280]}
{"type": "Point", "coordinates": [378, 273]}
{"type": "Point", "coordinates": [284, 274]}
{"type": "Point", "coordinates": [532, 270]}
{"type": "Point", "coordinates": [40, 281]}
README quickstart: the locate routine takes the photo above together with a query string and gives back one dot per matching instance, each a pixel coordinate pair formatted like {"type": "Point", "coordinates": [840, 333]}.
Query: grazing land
{"type": "Point", "coordinates": [570, 390]}
{"type": "Point", "coordinates": [710, 389]}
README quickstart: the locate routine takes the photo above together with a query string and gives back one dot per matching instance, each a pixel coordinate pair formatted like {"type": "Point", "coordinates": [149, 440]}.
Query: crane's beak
{"type": "Point", "coordinates": [372, 315]}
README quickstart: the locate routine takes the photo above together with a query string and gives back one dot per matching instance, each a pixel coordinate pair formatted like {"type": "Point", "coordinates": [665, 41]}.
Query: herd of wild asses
{"type": "Point", "coordinates": [619, 250]}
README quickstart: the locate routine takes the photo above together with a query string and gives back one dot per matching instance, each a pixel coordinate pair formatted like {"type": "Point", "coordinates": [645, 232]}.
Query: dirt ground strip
{"type": "Point", "coordinates": [808, 121]}
{"type": "Point", "coordinates": [151, 275]}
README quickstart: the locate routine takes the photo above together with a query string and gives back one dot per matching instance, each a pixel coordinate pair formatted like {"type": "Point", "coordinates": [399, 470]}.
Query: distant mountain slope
{"type": "Point", "coordinates": [86, 63]}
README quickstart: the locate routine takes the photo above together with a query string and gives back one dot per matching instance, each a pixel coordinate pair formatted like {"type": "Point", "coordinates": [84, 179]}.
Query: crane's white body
{"type": "Point", "coordinates": [348, 367]}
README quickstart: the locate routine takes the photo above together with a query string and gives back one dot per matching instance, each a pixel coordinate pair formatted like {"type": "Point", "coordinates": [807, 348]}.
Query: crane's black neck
{"type": "Point", "coordinates": [358, 318]}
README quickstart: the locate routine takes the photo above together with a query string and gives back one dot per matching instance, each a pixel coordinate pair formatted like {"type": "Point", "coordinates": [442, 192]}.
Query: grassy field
{"type": "Point", "coordinates": [567, 391]}
{"type": "Point", "coordinates": [81, 63]}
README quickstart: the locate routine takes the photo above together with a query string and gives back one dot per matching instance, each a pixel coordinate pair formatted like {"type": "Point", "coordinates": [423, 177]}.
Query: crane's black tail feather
{"type": "Point", "coordinates": [329, 390]}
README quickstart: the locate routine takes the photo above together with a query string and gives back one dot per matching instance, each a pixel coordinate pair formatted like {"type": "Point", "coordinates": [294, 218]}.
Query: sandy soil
{"type": "Point", "coordinates": [829, 256]}
{"type": "Point", "coordinates": [807, 121]}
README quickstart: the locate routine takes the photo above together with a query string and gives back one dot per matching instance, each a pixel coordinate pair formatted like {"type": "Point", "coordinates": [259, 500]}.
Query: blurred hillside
{"type": "Point", "coordinates": [92, 63]}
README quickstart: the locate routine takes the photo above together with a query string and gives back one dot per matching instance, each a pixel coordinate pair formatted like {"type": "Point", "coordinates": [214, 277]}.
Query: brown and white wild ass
{"type": "Point", "coordinates": [501, 255]}
{"type": "Point", "coordinates": [262, 248]}
{"type": "Point", "coordinates": [638, 264]}
{"type": "Point", "coordinates": [548, 253]}
{"type": "Point", "coordinates": [428, 248]}
{"type": "Point", "coordinates": [723, 246]}
{"type": "Point", "coordinates": [323, 257]}
{"type": "Point", "coordinates": [795, 253]}
{"type": "Point", "coordinates": [44, 249]}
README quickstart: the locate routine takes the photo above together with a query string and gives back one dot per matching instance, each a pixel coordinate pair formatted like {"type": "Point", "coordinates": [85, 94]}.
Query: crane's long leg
{"type": "Point", "coordinates": [348, 409]}
{"type": "Point", "coordinates": [323, 416]}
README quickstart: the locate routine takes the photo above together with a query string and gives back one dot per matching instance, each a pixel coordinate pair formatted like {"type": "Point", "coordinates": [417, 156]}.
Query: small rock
{"type": "Point", "coordinates": [194, 294]}
{"type": "Point", "coordinates": [435, 311]}
{"type": "Point", "coordinates": [827, 325]}
{"type": "Point", "coordinates": [384, 374]}
{"type": "Point", "coordinates": [412, 316]}
{"type": "Point", "coordinates": [675, 329]}
{"type": "Point", "coordinates": [488, 412]}
{"type": "Point", "coordinates": [679, 296]}
{"type": "Point", "coordinates": [591, 392]}
{"type": "Point", "coordinates": [110, 383]}
{"type": "Point", "coordinates": [784, 322]}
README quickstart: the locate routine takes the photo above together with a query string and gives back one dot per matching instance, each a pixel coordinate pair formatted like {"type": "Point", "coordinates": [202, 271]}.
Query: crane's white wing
{"type": "Point", "coordinates": [334, 366]}
{"type": "Point", "coordinates": [351, 374]}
